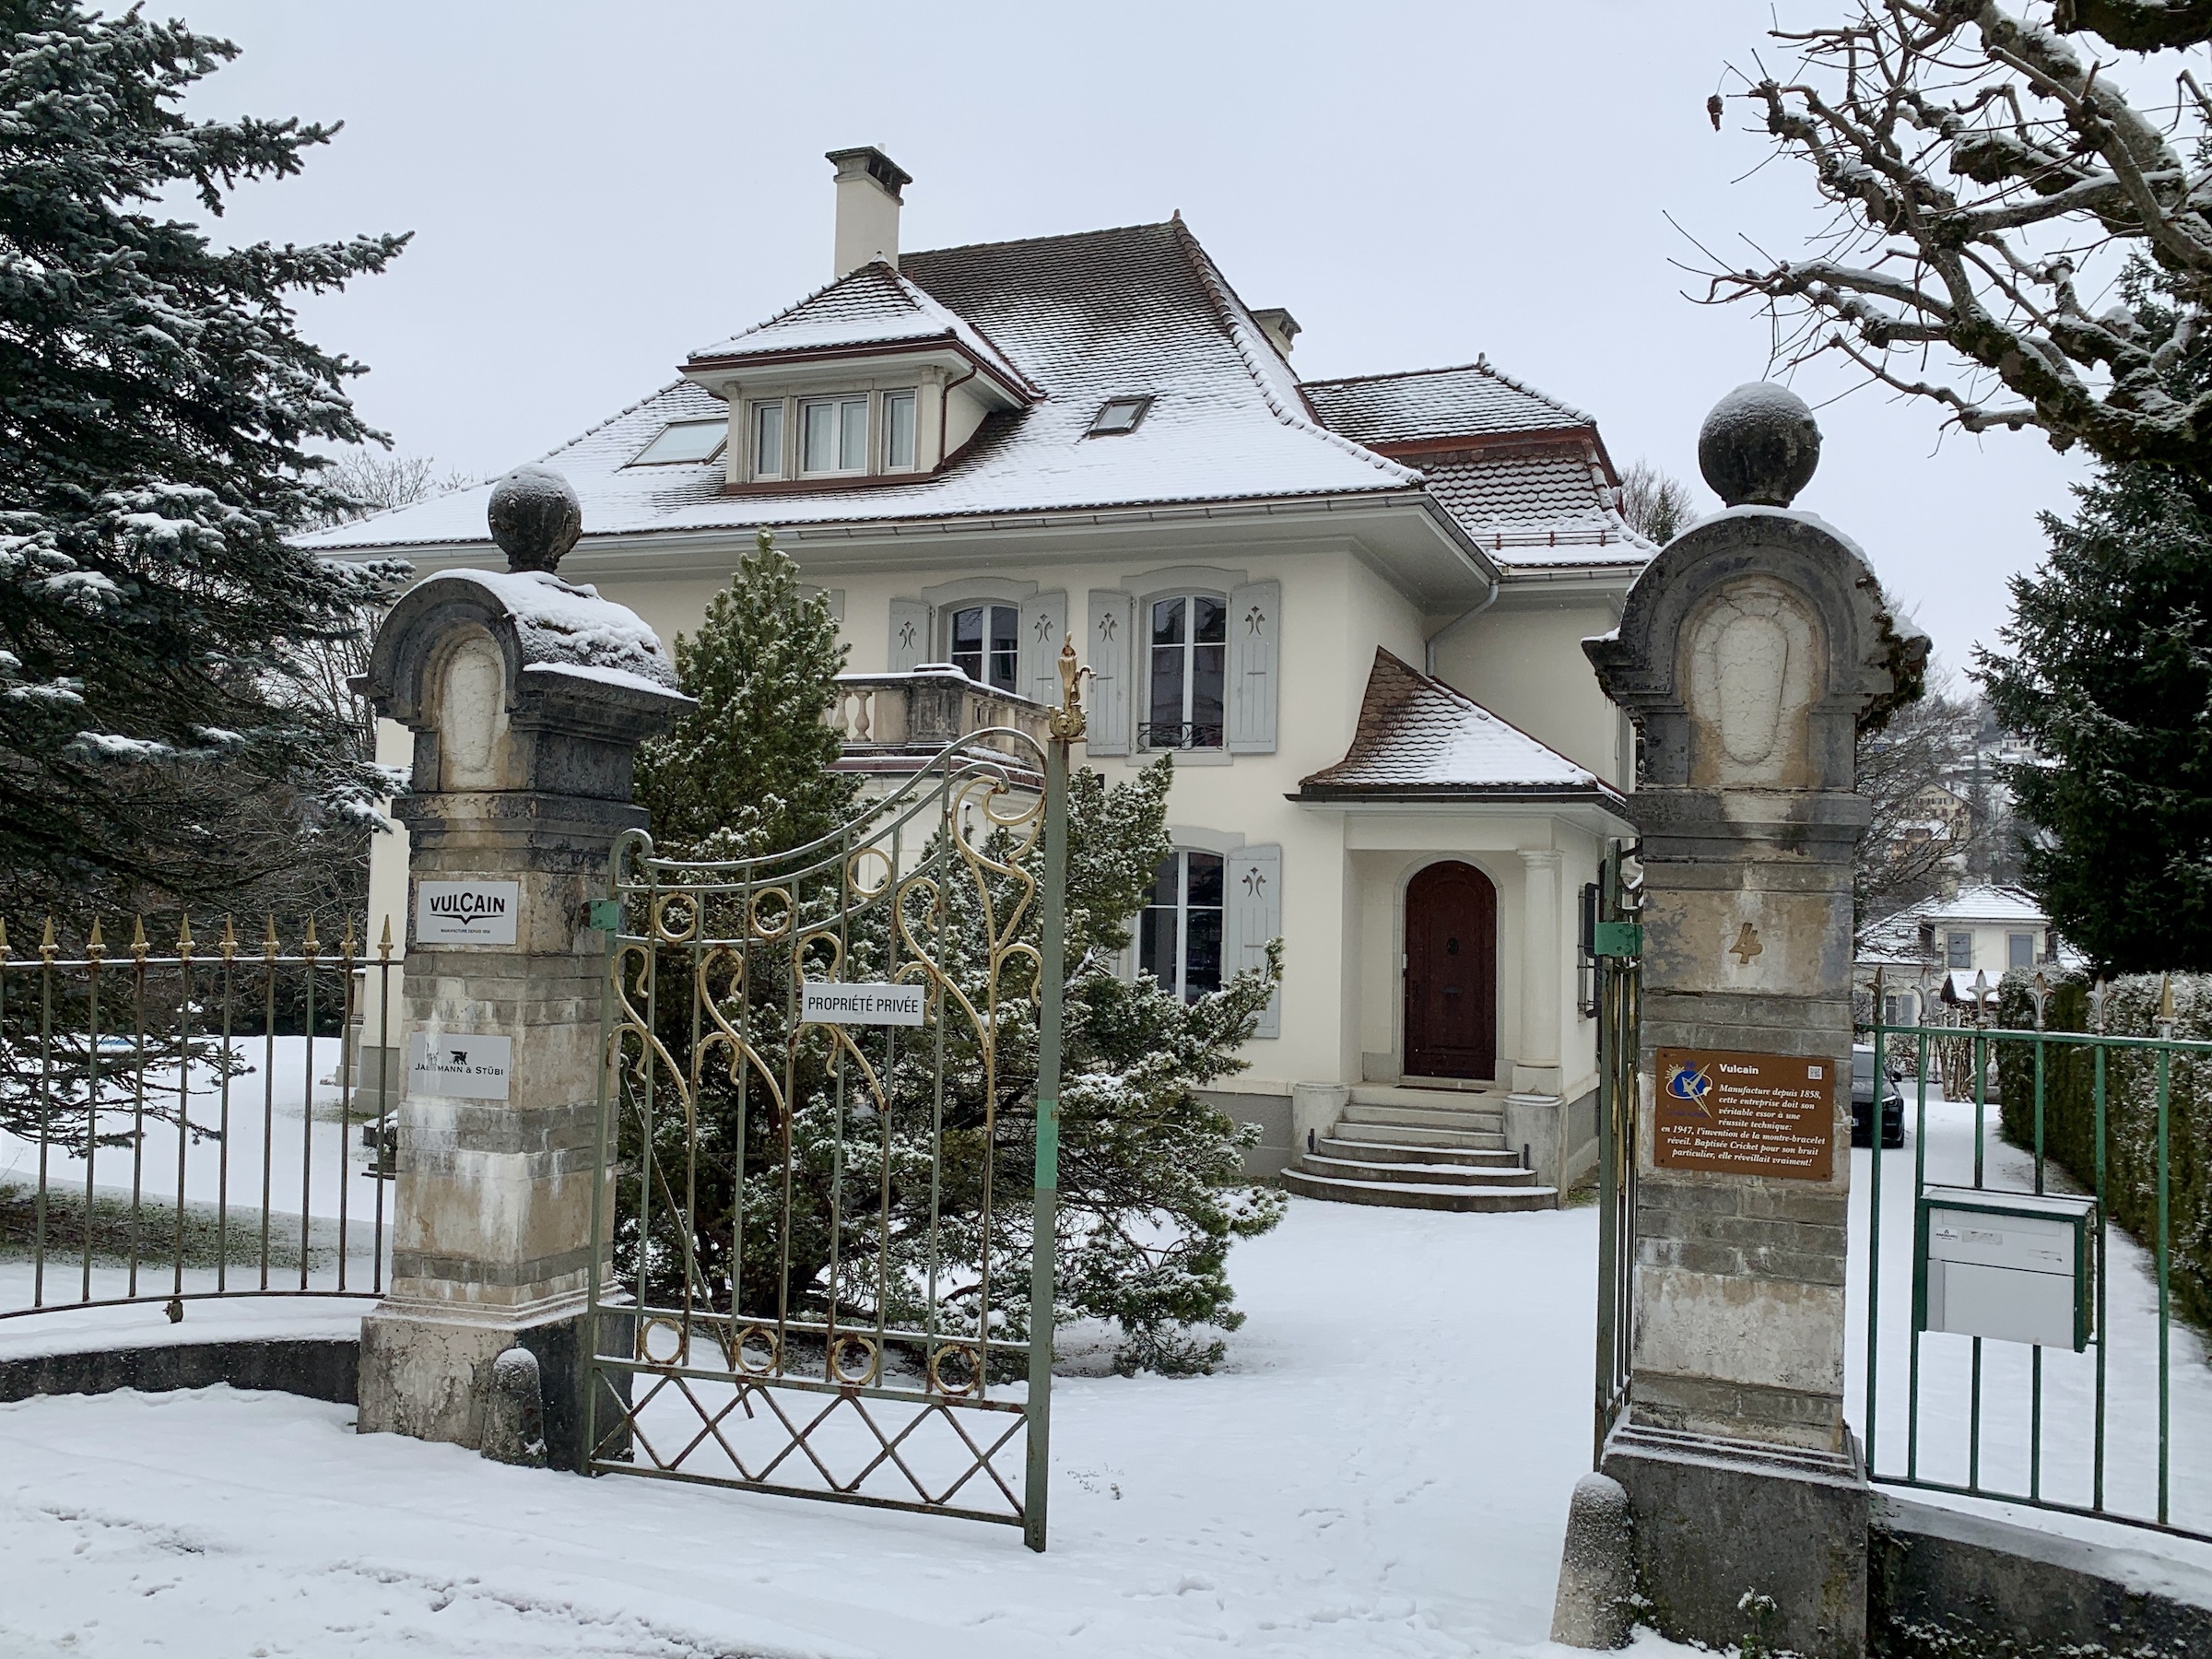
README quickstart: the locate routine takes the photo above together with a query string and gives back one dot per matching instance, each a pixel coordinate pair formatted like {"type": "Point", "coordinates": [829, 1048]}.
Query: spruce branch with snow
{"type": "Point", "coordinates": [155, 406]}
{"type": "Point", "coordinates": [1988, 177]}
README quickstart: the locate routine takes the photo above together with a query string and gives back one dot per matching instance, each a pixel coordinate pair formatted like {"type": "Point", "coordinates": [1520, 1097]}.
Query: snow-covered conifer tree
{"type": "Point", "coordinates": [156, 400]}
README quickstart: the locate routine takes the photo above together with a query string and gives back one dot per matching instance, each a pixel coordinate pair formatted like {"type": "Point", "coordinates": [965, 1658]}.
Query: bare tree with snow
{"type": "Point", "coordinates": [1993, 169]}
{"type": "Point", "coordinates": [1655, 503]}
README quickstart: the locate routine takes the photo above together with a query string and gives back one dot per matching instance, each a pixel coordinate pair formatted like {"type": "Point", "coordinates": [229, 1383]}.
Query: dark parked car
{"type": "Point", "coordinates": [1863, 1077]}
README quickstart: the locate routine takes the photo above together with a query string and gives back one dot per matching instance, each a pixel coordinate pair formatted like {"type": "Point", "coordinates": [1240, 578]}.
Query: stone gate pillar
{"type": "Point", "coordinates": [1750, 652]}
{"type": "Point", "coordinates": [527, 697]}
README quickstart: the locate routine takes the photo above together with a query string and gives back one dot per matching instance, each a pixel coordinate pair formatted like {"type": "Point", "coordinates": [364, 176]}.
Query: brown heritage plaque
{"type": "Point", "coordinates": [1745, 1114]}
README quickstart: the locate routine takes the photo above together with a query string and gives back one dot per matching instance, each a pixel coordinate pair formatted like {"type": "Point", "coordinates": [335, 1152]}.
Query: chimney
{"type": "Point", "coordinates": [867, 206]}
{"type": "Point", "coordinates": [1278, 325]}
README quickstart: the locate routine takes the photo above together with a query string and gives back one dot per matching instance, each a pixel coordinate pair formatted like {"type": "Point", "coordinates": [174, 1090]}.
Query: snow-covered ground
{"type": "Point", "coordinates": [1384, 1469]}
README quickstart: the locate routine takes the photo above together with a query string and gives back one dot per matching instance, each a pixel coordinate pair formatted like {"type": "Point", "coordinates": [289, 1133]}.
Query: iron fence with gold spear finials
{"type": "Point", "coordinates": [208, 1118]}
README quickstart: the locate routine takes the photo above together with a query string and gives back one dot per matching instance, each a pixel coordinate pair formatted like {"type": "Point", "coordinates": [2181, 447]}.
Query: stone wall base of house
{"type": "Point", "coordinates": [1272, 1113]}
{"type": "Point", "coordinates": [1557, 1139]}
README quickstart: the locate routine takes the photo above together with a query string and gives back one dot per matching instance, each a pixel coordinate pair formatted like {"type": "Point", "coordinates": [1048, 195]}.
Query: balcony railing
{"type": "Point", "coordinates": [893, 723]}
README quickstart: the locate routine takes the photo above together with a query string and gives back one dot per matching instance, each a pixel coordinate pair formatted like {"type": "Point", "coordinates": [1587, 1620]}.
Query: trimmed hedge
{"type": "Point", "coordinates": [2131, 1114]}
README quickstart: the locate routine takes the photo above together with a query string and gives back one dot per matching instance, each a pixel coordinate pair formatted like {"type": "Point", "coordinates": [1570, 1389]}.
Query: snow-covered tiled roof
{"type": "Point", "coordinates": [1536, 503]}
{"type": "Point", "coordinates": [1424, 405]}
{"type": "Point", "coordinates": [1896, 938]}
{"type": "Point", "coordinates": [1417, 736]}
{"type": "Point", "coordinates": [1086, 317]}
{"type": "Point", "coordinates": [873, 306]}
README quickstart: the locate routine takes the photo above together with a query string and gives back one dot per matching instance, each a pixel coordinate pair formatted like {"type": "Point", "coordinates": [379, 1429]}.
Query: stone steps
{"type": "Point", "coordinates": [1443, 1095]}
{"type": "Point", "coordinates": [1382, 1152]}
{"type": "Point", "coordinates": [1425, 1117]}
{"type": "Point", "coordinates": [1401, 1135]}
{"type": "Point", "coordinates": [1476, 1178]}
{"type": "Point", "coordinates": [1423, 1195]}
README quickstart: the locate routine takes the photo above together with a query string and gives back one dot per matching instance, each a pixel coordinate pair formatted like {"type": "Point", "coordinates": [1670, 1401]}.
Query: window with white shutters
{"type": "Point", "coordinates": [1107, 653]}
{"type": "Point", "coordinates": [1043, 627]}
{"type": "Point", "coordinates": [910, 636]}
{"type": "Point", "coordinates": [1253, 626]}
{"type": "Point", "coordinates": [1253, 900]}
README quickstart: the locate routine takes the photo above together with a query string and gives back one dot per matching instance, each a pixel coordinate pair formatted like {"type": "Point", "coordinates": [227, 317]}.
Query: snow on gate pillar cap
{"type": "Point", "coordinates": [560, 685]}
{"type": "Point", "coordinates": [1760, 446]}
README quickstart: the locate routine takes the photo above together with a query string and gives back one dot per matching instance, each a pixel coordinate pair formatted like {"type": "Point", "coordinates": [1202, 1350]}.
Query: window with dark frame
{"type": "Point", "coordinates": [987, 645]}
{"type": "Point", "coordinates": [2020, 950]}
{"type": "Point", "coordinates": [684, 440]}
{"type": "Point", "coordinates": [1187, 672]}
{"type": "Point", "coordinates": [768, 440]}
{"type": "Point", "coordinates": [1118, 414]}
{"type": "Point", "coordinates": [1179, 933]}
{"type": "Point", "coordinates": [1959, 950]}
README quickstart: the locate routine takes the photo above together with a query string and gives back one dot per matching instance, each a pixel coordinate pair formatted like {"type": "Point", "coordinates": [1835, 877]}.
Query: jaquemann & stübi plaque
{"type": "Point", "coordinates": [1745, 1114]}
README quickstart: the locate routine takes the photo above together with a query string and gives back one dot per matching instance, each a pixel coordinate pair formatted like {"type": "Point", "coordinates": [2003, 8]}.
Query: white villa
{"type": "Point", "coordinates": [1352, 609]}
{"type": "Point", "coordinates": [1939, 947]}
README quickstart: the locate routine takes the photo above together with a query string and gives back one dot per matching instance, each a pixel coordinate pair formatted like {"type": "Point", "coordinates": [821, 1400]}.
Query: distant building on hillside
{"type": "Point", "coordinates": [1983, 933]}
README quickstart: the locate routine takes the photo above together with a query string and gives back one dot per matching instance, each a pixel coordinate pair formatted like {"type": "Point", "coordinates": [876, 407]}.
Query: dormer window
{"type": "Point", "coordinates": [833, 435]}
{"type": "Point", "coordinates": [1118, 414]}
{"type": "Point", "coordinates": [684, 440]}
{"type": "Point", "coordinates": [768, 440]}
{"type": "Point", "coordinates": [897, 431]}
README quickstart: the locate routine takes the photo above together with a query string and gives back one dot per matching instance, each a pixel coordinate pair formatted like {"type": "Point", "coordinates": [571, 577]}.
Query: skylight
{"type": "Point", "coordinates": [1118, 414]}
{"type": "Point", "coordinates": [684, 440]}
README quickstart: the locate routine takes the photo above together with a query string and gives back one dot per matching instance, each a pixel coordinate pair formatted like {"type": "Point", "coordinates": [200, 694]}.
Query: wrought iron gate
{"type": "Point", "coordinates": [829, 1141]}
{"type": "Point", "coordinates": [1616, 942]}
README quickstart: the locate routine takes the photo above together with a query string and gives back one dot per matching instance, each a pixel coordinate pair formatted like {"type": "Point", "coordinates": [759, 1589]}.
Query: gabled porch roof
{"type": "Point", "coordinates": [1419, 739]}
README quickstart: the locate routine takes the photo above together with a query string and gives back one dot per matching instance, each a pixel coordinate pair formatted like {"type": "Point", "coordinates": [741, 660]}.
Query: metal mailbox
{"type": "Point", "coordinates": [2014, 1266]}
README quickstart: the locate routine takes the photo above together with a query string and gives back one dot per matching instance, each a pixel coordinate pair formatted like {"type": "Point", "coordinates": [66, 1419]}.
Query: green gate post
{"type": "Point", "coordinates": [1067, 725]}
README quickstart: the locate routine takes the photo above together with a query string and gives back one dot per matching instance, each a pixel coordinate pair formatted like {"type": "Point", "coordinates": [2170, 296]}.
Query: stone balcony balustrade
{"type": "Point", "coordinates": [892, 723]}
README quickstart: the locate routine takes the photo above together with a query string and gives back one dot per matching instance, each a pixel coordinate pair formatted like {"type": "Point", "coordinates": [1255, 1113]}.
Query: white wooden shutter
{"type": "Point", "coordinates": [1043, 624]}
{"type": "Point", "coordinates": [910, 636]}
{"type": "Point", "coordinates": [1255, 920]}
{"type": "Point", "coordinates": [1107, 653]}
{"type": "Point", "coordinates": [1253, 626]}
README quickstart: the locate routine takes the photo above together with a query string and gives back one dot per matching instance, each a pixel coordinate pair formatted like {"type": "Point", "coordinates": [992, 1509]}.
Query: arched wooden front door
{"type": "Point", "coordinates": [1451, 973]}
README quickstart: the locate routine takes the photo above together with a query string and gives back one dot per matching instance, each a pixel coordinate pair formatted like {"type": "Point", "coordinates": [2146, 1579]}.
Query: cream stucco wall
{"type": "Point", "coordinates": [1522, 660]}
{"type": "Point", "coordinates": [1342, 873]}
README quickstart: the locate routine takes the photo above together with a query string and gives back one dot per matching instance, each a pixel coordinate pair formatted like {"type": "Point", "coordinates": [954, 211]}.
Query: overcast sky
{"type": "Point", "coordinates": [595, 188]}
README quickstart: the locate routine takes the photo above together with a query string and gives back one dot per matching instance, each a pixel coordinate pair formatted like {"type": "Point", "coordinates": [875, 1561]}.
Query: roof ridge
{"type": "Point", "coordinates": [1227, 306]}
{"type": "Point", "coordinates": [1018, 241]}
{"type": "Point", "coordinates": [1481, 365]}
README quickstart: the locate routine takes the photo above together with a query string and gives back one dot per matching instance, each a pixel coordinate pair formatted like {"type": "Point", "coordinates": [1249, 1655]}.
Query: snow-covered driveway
{"type": "Point", "coordinates": [1383, 1470]}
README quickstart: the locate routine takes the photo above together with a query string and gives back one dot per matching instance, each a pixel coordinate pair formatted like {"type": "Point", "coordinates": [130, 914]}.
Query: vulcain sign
{"type": "Point", "coordinates": [466, 912]}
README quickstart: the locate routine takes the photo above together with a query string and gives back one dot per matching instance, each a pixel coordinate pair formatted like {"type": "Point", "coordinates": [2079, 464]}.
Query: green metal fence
{"type": "Point", "coordinates": [2111, 1418]}
{"type": "Point", "coordinates": [209, 1116]}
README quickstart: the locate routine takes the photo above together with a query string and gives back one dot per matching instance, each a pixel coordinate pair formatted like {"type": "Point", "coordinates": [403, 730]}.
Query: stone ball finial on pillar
{"type": "Point", "coordinates": [534, 517]}
{"type": "Point", "coordinates": [1760, 446]}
